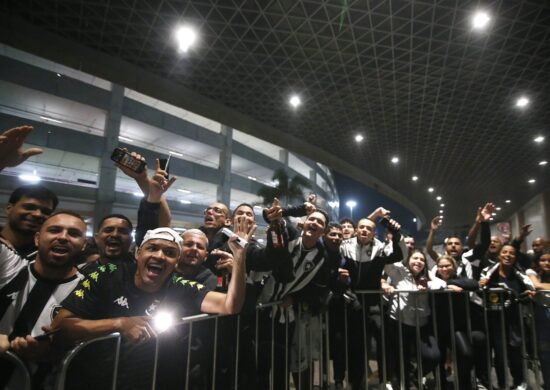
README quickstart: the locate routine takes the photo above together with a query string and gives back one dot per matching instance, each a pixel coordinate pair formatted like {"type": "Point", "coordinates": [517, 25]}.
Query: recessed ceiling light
{"type": "Point", "coordinates": [544, 162]}
{"type": "Point", "coordinates": [531, 181]}
{"type": "Point", "coordinates": [125, 139]}
{"type": "Point", "coordinates": [538, 139]}
{"type": "Point", "coordinates": [185, 201]}
{"type": "Point", "coordinates": [498, 209]}
{"type": "Point", "coordinates": [507, 201]}
{"type": "Point", "coordinates": [414, 178]}
{"type": "Point", "coordinates": [439, 198]}
{"type": "Point", "coordinates": [440, 211]}
{"type": "Point", "coordinates": [46, 118]}
{"type": "Point", "coordinates": [175, 153]}
{"type": "Point", "coordinates": [252, 178]}
{"type": "Point", "coordinates": [395, 160]}
{"type": "Point", "coordinates": [186, 37]}
{"type": "Point", "coordinates": [295, 101]}
{"type": "Point", "coordinates": [493, 214]}
{"type": "Point", "coordinates": [491, 219]}
{"type": "Point", "coordinates": [30, 177]}
{"type": "Point", "coordinates": [414, 219]}
{"type": "Point", "coordinates": [359, 138]}
{"type": "Point", "coordinates": [184, 191]}
{"type": "Point", "coordinates": [442, 205]}
{"type": "Point", "coordinates": [138, 194]}
{"type": "Point", "coordinates": [522, 102]}
{"type": "Point", "coordinates": [431, 189]}
{"type": "Point", "coordinates": [480, 20]}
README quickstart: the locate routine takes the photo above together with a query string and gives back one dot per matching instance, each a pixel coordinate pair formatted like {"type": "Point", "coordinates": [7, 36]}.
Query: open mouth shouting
{"type": "Point", "coordinates": [155, 269]}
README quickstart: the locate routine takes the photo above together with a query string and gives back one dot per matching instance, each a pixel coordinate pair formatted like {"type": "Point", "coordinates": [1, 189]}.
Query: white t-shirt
{"type": "Point", "coordinates": [542, 298]}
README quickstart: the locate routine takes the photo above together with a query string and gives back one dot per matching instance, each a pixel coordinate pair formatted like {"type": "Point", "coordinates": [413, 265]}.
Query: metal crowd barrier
{"type": "Point", "coordinates": [272, 344]}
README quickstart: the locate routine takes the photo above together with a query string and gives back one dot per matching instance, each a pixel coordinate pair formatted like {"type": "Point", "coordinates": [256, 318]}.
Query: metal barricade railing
{"type": "Point", "coordinates": [300, 342]}
{"type": "Point", "coordinates": [21, 369]}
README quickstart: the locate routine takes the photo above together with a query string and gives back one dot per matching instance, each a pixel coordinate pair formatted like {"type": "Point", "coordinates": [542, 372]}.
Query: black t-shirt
{"type": "Point", "coordinates": [110, 292]}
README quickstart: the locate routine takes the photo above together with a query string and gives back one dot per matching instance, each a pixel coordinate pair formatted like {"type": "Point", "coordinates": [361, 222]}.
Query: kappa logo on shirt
{"type": "Point", "coordinates": [122, 301]}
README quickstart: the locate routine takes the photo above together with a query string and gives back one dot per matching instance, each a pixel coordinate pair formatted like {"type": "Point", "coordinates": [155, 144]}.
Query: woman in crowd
{"type": "Point", "coordinates": [410, 309]}
{"type": "Point", "coordinates": [540, 276]}
{"type": "Point", "coordinates": [446, 270]}
{"type": "Point", "coordinates": [505, 275]}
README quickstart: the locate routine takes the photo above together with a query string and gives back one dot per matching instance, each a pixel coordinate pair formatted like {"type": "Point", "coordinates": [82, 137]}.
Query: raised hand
{"type": "Point", "coordinates": [158, 184]}
{"type": "Point", "coordinates": [487, 211]}
{"type": "Point", "coordinates": [131, 173]}
{"type": "Point", "coordinates": [436, 223]}
{"type": "Point", "coordinates": [11, 147]}
{"type": "Point", "coordinates": [275, 212]}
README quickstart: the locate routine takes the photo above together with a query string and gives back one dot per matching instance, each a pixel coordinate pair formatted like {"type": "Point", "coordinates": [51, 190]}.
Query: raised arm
{"type": "Point", "coordinates": [434, 226]}
{"type": "Point", "coordinates": [379, 212]}
{"type": "Point", "coordinates": [11, 147]}
{"type": "Point", "coordinates": [231, 302]}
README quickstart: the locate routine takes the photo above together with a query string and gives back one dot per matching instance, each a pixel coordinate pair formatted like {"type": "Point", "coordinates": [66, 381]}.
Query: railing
{"type": "Point", "coordinates": [261, 350]}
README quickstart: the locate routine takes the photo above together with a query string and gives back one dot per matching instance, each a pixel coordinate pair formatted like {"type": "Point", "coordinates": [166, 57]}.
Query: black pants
{"type": "Point", "coordinates": [427, 343]}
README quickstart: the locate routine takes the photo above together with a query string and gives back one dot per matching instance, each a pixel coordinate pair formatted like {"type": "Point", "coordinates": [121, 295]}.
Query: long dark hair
{"type": "Point", "coordinates": [424, 272]}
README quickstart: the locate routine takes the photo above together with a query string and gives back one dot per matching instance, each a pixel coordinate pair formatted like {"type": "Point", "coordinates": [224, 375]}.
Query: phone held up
{"type": "Point", "coordinates": [127, 160]}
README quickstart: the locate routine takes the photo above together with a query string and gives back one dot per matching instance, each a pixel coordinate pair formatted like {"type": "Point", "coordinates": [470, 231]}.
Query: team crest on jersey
{"type": "Point", "coordinates": [55, 311]}
{"type": "Point", "coordinates": [122, 301]}
{"type": "Point", "coordinates": [308, 266]}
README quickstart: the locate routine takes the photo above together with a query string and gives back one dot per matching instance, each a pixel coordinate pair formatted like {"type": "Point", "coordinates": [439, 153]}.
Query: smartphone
{"type": "Point", "coordinates": [385, 221]}
{"type": "Point", "coordinates": [125, 159]}
{"type": "Point", "coordinates": [164, 165]}
{"type": "Point", "coordinates": [46, 336]}
{"type": "Point", "coordinates": [228, 233]}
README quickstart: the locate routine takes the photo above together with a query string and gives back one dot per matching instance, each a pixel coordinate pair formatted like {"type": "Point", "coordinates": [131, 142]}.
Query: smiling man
{"type": "Point", "coordinates": [120, 298]}
{"type": "Point", "coordinates": [27, 209]}
{"type": "Point", "coordinates": [31, 292]}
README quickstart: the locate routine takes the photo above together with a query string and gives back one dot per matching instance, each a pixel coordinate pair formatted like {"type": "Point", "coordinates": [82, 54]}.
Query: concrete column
{"type": "Point", "coordinates": [283, 157]}
{"type": "Point", "coordinates": [105, 195]}
{"type": "Point", "coordinates": [224, 185]}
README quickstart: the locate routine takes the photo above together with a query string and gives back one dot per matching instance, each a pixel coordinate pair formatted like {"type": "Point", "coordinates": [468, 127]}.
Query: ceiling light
{"type": "Point", "coordinates": [185, 37]}
{"type": "Point", "coordinates": [414, 219]}
{"type": "Point", "coordinates": [442, 205]}
{"type": "Point", "coordinates": [359, 138]}
{"type": "Point", "coordinates": [491, 219]}
{"type": "Point", "coordinates": [538, 139]}
{"type": "Point", "coordinates": [58, 74]}
{"type": "Point", "coordinates": [50, 119]}
{"type": "Point", "coordinates": [252, 178]}
{"type": "Point", "coordinates": [185, 201]}
{"type": "Point", "coordinates": [184, 191]}
{"type": "Point", "coordinates": [498, 208]}
{"type": "Point", "coordinates": [480, 20]}
{"type": "Point", "coordinates": [544, 162]}
{"type": "Point", "coordinates": [414, 178]}
{"type": "Point", "coordinates": [138, 194]}
{"type": "Point", "coordinates": [531, 181]}
{"type": "Point", "coordinates": [522, 102]}
{"type": "Point", "coordinates": [507, 201]}
{"type": "Point", "coordinates": [175, 153]}
{"type": "Point", "coordinates": [30, 177]}
{"type": "Point", "coordinates": [431, 189]}
{"type": "Point", "coordinates": [440, 211]}
{"type": "Point", "coordinates": [125, 139]}
{"type": "Point", "coordinates": [438, 198]}
{"type": "Point", "coordinates": [295, 101]}
{"type": "Point", "coordinates": [395, 160]}
{"type": "Point", "coordinates": [493, 214]}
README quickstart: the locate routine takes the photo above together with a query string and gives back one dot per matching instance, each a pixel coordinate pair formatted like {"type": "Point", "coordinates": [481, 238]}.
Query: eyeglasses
{"type": "Point", "coordinates": [215, 210]}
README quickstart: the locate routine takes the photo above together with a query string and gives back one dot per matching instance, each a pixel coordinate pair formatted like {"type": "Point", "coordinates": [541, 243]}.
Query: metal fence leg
{"type": "Point", "coordinates": [365, 341]}
{"type": "Point", "coordinates": [434, 325]}
{"type": "Point", "coordinates": [487, 341]}
{"type": "Point", "coordinates": [453, 341]}
{"type": "Point", "coordinates": [237, 351]}
{"type": "Point", "coordinates": [418, 342]}
{"type": "Point", "coordinates": [383, 342]}
{"type": "Point", "coordinates": [215, 354]}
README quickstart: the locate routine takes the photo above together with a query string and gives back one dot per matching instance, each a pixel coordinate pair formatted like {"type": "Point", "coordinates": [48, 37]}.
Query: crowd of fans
{"type": "Point", "coordinates": [58, 288]}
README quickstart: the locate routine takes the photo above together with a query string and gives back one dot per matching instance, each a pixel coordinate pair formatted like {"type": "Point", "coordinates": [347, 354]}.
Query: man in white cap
{"type": "Point", "coordinates": [122, 298]}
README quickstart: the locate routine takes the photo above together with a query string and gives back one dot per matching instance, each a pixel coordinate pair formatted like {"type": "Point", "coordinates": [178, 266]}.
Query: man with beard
{"type": "Point", "coordinates": [348, 228]}
{"type": "Point", "coordinates": [32, 292]}
{"type": "Point", "coordinates": [27, 209]}
{"type": "Point", "coordinates": [371, 256]}
{"type": "Point", "coordinates": [122, 298]}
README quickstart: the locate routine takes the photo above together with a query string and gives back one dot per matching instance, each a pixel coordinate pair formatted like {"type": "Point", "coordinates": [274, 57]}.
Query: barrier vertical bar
{"type": "Point", "coordinates": [487, 339]}
{"type": "Point", "coordinates": [434, 324]}
{"type": "Point", "coordinates": [523, 347]}
{"type": "Point", "coordinates": [453, 340]}
{"type": "Point", "coordinates": [346, 375]}
{"type": "Point", "coordinates": [215, 354]}
{"type": "Point", "coordinates": [418, 341]}
{"type": "Point", "coordinates": [237, 351]}
{"type": "Point", "coordinates": [469, 330]}
{"type": "Point", "coordinates": [365, 341]}
{"type": "Point", "coordinates": [272, 374]}
{"type": "Point", "coordinates": [188, 363]}
{"type": "Point", "coordinates": [287, 352]}
{"type": "Point", "coordinates": [155, 365]}
{"type": "Point", "coordinates": [535, 344]}
{"type": "Point", "coordinates": [504, 344]}
{"type": "Point", "coordinates": [383, 341]}
{"type": "Point", "coordinates": [327, 348]}
{"type": "Point", "coordinates": [299, 326]}
{"type": "Point", "coordinates": [400, 334]}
